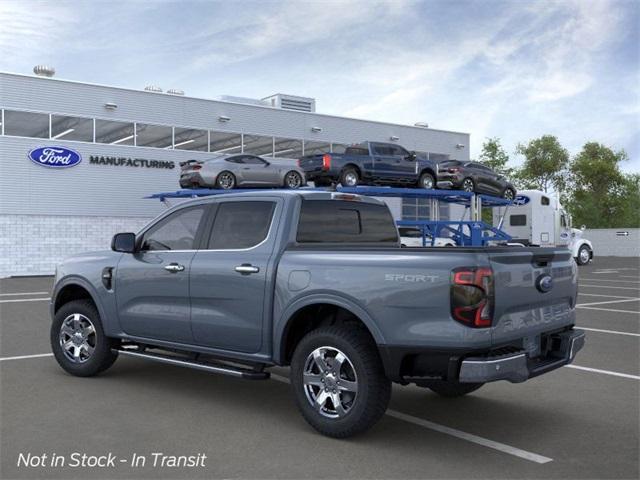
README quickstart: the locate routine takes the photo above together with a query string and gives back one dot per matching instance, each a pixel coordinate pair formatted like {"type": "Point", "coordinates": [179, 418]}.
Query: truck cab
{"type": "Point", "coordinates": [538, 219]}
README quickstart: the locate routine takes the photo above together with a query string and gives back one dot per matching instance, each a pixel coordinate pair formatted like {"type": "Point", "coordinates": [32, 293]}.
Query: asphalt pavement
{"type": "Point", "coordinates": [576, 422]}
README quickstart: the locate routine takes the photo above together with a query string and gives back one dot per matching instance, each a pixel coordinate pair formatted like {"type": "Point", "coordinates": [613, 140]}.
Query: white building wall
{"type": "Point", "coordinates": [612, 242]}
{"type": "Point", "coordinates": [35, 244]}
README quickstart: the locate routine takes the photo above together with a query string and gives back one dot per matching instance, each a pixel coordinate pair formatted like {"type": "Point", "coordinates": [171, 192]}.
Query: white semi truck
{"type": "Point", "coordinates": [538, 219]}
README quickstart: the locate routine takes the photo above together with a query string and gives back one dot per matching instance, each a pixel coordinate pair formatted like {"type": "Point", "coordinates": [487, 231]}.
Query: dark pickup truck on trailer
{"type": "Point", "coordinates": [371, 163]}
{"type": "Point", "coordinates": [237, 283]}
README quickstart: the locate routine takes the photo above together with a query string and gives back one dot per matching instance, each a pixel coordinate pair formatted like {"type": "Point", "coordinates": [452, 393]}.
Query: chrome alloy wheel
{"type": "Point", "coordinates": [77, 338]}
{"type": "Point", "coordinates": [427, 182]}
{"type": "Point", "coordinates": [226, 181]}
{"type": "Point", "coordinates": [293, 180]}
{"type": "Point", "coordinates": [351, 179]}
{"type": "Point", "coordinates": [508, 194]}
{"type": "Point", "coordinates": [584, 255]}
{"type": "Point", "coordinates": [467, 185]}
{"type": "Point", "coordinates": [330, 382]}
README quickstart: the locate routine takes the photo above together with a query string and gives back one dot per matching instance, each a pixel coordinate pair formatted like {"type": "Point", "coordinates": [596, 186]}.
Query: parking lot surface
{"type": "Point", "coordinates": [576, 422]}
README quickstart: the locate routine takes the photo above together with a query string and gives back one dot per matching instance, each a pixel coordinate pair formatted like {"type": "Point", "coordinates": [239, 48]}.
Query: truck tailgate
{"type": "Point", "coordinates": [535, 293]}
{"type": "Point", "coordinates": [311, 163]}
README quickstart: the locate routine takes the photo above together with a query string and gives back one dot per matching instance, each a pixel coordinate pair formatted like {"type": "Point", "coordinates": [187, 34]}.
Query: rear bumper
{"type": "Point", "coordinates": [192, 180]}
{"type": "Point", "coordinates": [411, 365]}
{"type": "Point", "coordinates": [519, 367]}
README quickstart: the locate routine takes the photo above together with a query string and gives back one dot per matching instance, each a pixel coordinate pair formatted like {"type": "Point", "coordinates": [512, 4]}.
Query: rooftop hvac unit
{"type": "Point", "coordinates": [291, 102]}
{"type": "Point", "coordinates": [153, 88]}
{"type": "Point", "coordinates": [44, 71]}
{"type": "Point", "coordinates": [175, 91]}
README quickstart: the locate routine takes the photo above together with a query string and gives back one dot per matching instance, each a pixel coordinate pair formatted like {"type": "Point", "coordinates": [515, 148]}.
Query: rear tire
{"type": "Point", "coordinates": [78, 340]}
{"type": "Point", "coordinates": [292, 180]}
{"type": "Point", "coordinates": [451, 389]}
{"type": "Point", "coordinates": [226, 180]}
{"type": "Point", "coordinates": [349, 177]}
{"type": "Point", "coordinates": [468, 185]}
{"type": "Point", "coordinates": [339, 364]}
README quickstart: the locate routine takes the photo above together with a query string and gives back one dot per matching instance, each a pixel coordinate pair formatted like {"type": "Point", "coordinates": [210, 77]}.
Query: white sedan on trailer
{"type": "Point", "coordinates": [412, 237]}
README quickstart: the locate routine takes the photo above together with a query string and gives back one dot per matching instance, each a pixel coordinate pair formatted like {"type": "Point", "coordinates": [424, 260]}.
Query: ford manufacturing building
{"type": "Point", "coordinates": [129, 145]}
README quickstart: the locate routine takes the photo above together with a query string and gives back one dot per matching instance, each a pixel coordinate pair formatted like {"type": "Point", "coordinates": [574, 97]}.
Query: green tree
{"type": "Point", "coordinates": [600, 195]}
{"type": "Point", "coordinates": [545, 164]}
{"type": "Point", "coordinates": [494, 156]}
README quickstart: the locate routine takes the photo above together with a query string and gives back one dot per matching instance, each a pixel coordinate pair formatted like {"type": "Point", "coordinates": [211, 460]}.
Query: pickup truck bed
{"type": "Point", "coordinates": [316, 280]}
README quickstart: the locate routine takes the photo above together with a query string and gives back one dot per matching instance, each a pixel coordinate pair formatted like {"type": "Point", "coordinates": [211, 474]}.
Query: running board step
{"type": "Point", "coordinates": [232, 371]}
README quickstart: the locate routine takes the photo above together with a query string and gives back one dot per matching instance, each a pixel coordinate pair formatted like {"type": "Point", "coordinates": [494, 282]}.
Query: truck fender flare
{"type": "Point", "coordinates": [80, 282]}
{"type": "Point", "coordinates": [577, 245]}
{"type": "Point", "coordinates": [348, 304]}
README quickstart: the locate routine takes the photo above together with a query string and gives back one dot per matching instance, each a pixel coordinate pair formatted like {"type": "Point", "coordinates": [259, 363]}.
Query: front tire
{"type": "Point", "coordinates": [452, 389]}
{"type": "Point", "coordinates": [226, 180]}
{"type": "Point", "coordinates": [78, 340]}
{"type": "Point", "coordinates": [338, 381]}
{"type": "Point", "coordinates": [508, 194]}
{"type": "Point", "coordinates": [427, 181]}
{"type": "Point", "coordinates": [584, 255]}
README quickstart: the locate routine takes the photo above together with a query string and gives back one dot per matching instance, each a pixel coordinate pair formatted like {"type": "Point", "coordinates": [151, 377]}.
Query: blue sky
{"type": "Point", "coordinates": [515, 69]}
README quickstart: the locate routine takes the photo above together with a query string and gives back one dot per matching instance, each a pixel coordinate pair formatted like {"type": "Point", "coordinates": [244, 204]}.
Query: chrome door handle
{"type": "Point", "coordinates": [246, 269]}
{"type": "Point", "coordinates": [174, 268]}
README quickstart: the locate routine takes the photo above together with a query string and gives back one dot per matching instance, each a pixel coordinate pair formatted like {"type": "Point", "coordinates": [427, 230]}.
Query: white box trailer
{"type": "Point", "coordinates": [537, 218]}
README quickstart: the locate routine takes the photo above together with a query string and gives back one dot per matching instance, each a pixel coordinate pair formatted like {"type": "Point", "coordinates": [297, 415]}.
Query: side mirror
{"type": "Point", "coordinates": [412, 156]}
{"type": "Point", "coordinates": [124, 242]}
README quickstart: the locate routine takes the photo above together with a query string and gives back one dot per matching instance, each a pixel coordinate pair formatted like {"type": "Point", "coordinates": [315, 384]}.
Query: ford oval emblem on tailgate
{"type": "Point", "coordinates": [544, 283]}
{"type": "Point", "coordinates": [55, 157]}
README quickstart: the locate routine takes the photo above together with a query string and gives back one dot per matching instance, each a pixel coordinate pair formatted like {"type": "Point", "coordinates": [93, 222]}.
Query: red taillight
{"type": "Point", "coordinates": [453, 170]}
{"type": "Point", "coordinates": [472, 296]}
{"type": "Point", "coordinates": [299, 162]}
{"type": "Point", "coordinates": [326, 161]}
{"type": "Point", "coordinates": [196, 167]}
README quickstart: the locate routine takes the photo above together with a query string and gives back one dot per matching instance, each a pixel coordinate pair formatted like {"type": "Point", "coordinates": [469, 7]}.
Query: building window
{"type": "Point", "coordinates": [287, 148]}
{"type": "Point", "coordinates": [225, 142]}
{"type": "Point", "coordinates": [157, 136]}
{"type": "Point", "coordinates": [26, 124]}
{"type": "Point", "coordinates": [114, 133]}
{"type": "Point", "coordinates": [415, 209]}
{"type": "Point", "coordinates": [190, 139]}
{"type": "Point", "coordinates": [338, 147]}
{"type": "Point", "coordinates": [71, 128]}
{"type": "Point", "coordinates": [314, 148]}
{"type": "Point", "coordinates": [438, 157]}
{"type": "Point", "coordinates": [258, 145]}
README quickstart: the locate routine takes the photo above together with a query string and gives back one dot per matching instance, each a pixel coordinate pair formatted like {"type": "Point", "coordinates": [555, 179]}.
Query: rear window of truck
{"type": "Point", "coordinates": [339, 221]}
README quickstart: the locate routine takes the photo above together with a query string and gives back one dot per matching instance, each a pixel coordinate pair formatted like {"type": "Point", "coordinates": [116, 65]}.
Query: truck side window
{"type": "Point", "coordinates": [544, 200]}
{"type": "Point", "coordinates": [240, 225]}
{"type": "Point", "coordinates": [175, 232]}
{"type": "Point", "coordinates": [338, 221]}
{"type": "Point", "coordinates": [518, 220]}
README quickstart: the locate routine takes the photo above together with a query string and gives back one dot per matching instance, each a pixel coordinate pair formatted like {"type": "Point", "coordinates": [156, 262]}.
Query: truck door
{"type": "Point", "coordinates": [384, 161]}
{"type": "Point", "coordinates": [403, 167]}
{"type": "Point", "coordinates": [564, 230]}
{"type": "Point", "coordinates": [229, 275]}
{"type": "Point", "coordinates": [152, 285]}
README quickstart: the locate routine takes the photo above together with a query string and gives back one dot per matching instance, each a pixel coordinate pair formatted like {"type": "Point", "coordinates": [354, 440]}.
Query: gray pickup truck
{"type": "Point", "coordinates": [241, 282]}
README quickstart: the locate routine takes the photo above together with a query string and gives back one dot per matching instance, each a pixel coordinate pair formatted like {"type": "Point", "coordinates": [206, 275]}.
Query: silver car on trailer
{"type": "Point", "coordinates": [241, 170]}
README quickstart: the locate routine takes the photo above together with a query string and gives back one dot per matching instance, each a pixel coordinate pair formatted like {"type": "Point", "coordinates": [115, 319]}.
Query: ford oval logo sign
{"type": "Point", "coordinates": [521, 200]}
{"type": "Point", "coordinates": [55, 157]}
{"type": "Point", "coordinates": [544, 283]}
